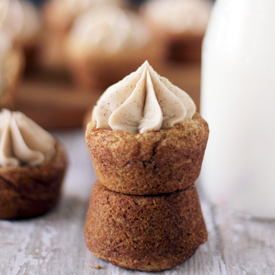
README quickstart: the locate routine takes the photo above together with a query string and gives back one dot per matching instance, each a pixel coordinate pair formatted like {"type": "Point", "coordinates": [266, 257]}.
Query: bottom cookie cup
{"type": "Point", "coordinates": [148, 233]}
{"type": "Point", "coordinates": [27, 191]}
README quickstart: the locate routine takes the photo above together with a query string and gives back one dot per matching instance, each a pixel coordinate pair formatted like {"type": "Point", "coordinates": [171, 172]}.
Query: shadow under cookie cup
{"type": "Point", "coordinates": [149, 233]}
{"type": "Point", "coordinates": [151, 163]}
{"type": "Point", "coordinates": [27, 191]}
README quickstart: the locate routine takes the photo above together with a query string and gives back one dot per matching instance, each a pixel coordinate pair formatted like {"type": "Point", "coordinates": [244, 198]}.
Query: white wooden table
{"type": "Point", "coordinates": [54, 243]}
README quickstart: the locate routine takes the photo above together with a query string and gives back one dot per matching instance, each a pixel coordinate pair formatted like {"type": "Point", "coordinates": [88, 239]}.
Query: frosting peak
{"type": "Point", "coordinates": [141, 102]}
{"type": "Point", "coordinates": [22, 141]}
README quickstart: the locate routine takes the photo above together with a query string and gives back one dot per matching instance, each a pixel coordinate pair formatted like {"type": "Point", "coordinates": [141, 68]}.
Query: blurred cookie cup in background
{"type": "Point", "coordinates": [108, 42]}
{"type": "Point", "coordinates": [11, 67]}
{"type": "Point", "coordinates": [22, 23]}
{"type": "Point", "coordinates": [58, 17]}
{"type": "Point", "coordinates": [181, 24]}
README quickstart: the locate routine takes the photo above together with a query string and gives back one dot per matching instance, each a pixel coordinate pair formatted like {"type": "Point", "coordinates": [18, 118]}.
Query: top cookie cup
{"type": "Point", "coordinates": [151, 163]}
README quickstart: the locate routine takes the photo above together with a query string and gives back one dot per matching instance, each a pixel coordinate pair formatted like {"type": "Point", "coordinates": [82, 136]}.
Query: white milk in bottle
{"type": "Point", "coordinates": [238, 102]}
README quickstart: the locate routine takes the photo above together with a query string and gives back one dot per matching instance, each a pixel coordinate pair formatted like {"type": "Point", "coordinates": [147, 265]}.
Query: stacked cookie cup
{"type": "Point", "coordinates": [144, 211]}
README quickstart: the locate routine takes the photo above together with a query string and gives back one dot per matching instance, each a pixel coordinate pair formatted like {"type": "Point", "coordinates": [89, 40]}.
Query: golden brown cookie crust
{"type": "Point", "coordinates": [27, 191]}
{"type": "Point", "coordinates": [149, 233]}
{"type": "Point", "coordinates": [152, 163]}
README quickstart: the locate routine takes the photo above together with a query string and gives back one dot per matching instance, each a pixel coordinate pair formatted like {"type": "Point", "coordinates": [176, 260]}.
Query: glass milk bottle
{"type": "Point", "coordinates": [238, 102]}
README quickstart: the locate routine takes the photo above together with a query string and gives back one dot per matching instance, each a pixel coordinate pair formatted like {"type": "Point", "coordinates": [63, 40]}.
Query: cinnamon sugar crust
{"type": "Point", "coordinates": [150, 163]}
{"type": "Point", "coordinates": [27, 191]}
{"type": "Point", "coordinates": [149, 233]}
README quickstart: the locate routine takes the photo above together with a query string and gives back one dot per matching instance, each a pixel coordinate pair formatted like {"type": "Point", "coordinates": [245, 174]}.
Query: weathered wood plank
{"type": "Point", "coordinates": [246, 244]}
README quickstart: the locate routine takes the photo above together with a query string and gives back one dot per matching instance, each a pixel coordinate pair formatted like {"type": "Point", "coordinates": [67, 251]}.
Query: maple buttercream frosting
{"type": "Point", "coordinates": [142, 102]}
{"type": "Point", "coordinates": [22, 141]}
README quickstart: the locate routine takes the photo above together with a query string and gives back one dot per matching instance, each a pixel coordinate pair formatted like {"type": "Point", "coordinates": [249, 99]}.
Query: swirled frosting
{"type": "Point", "coordinates": [22, 141]}
{"type": "Point", "coordinates": [179, 16]}
{"type": "Point", "coordinates": [110, 29]}
{"type": "Point", "coordinates": [141, 102]}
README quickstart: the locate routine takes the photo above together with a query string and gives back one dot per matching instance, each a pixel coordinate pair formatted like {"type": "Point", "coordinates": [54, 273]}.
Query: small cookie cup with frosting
{"type": "Point", "coordinates": [106, 43]}
{"type": "Point", "coordinates": [59, 16]}
{"type": "Point", "coordinates": [145, 137]}
{"type": "Point", "coordinates": [32, 167]}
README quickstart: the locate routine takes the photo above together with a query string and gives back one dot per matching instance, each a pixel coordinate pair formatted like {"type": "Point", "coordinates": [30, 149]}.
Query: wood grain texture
{"type": "Point", "coordinates": [54, 243]}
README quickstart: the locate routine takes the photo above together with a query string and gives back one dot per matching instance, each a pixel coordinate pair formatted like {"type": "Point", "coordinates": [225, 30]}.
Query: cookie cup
{"type": "Point", "coordinates": [150, 163]}
{"type": "Point", "coordinates": [28, 191]}
{"type": "Point", "coordinates": [149, 233]}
